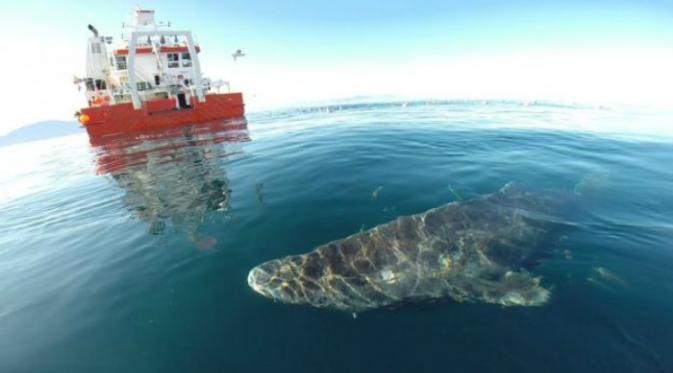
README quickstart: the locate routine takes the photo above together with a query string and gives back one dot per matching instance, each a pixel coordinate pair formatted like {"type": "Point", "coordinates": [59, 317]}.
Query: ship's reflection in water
{"type": "Point", "coordinates": [173, 178]}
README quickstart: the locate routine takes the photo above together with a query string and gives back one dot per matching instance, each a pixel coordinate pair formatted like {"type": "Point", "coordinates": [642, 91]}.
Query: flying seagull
{"type": "Point", "coordinates": [239, 53]}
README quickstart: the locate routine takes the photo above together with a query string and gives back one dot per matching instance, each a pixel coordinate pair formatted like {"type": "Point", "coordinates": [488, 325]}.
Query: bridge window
{"type": "Point", "coordinates": [120, 62]}
{"type": "Point", "coordinates": [186, 60]}
{"type": "Point", "coordinates": [100, 84]}
{"type": "Point", "coordinates": [89, 84]}
{"type": "Point", "coordinates": [173, 60]}
{"type": "Point", "coordinates": [142, 86]}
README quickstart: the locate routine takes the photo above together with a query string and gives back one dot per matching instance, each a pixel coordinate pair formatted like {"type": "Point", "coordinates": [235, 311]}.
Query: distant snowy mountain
{"type": "Point", "coordinates": [40, 131]}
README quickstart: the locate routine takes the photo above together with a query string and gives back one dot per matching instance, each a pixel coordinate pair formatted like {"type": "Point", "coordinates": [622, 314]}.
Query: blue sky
{"type": "Point", "coordinates": [320, 48]}
{"type": "Point", "coordinates": [319, 31]}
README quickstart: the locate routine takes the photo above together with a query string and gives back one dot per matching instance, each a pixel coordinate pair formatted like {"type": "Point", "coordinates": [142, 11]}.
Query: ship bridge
{"type": "Point", "coordinates": [150, 62]}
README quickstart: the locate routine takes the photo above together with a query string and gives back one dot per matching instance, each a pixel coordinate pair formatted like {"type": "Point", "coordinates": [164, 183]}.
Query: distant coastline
{"type": "Point", "coordinates": [40, 131]}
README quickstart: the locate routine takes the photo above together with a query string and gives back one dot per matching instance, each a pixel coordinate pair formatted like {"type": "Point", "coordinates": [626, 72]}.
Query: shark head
{"type": "Point", "coordinates": [290, 280]}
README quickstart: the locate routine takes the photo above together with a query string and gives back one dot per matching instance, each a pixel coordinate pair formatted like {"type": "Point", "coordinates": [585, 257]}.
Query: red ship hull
{"type": "Point", "coordinates": [160, 114]}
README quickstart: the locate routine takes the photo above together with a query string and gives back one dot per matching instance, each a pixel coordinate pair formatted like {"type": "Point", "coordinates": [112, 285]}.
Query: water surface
{"type": "Point", "coordinates": [131, 254]}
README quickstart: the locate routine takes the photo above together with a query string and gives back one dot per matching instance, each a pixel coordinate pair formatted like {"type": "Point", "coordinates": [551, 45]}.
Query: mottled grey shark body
{"type": "Point", "coordinates": [469, 251]}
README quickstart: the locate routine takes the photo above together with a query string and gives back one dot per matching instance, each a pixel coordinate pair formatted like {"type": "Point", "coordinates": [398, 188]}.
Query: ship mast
{"type": "Point", "coordinates": [145, 27]}
{"type": "Point", "coordinates": [195, 68]}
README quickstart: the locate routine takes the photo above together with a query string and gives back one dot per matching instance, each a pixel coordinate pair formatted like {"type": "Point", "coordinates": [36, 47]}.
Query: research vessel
{"type": "Point", "coordinates": [150, 79]}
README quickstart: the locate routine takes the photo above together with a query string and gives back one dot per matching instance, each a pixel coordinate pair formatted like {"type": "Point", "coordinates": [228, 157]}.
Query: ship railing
{"type": "Point", "coordinates": [219, 84]}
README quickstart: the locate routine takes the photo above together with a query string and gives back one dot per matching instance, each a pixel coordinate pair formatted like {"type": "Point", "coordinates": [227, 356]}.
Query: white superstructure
{"type": "Point", "coordinates": [150, 62]}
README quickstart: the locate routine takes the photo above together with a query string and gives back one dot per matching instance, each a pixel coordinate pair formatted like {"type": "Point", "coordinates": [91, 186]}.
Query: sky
{"type": "Point", "coordinates": [302, 51]}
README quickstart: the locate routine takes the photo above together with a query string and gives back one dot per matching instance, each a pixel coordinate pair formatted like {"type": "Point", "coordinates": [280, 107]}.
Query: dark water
{"type": "Point", "coordinates": [131, 255]}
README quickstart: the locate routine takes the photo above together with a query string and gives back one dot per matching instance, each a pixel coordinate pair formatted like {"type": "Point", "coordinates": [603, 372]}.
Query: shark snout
{"type": "Point", "coordinates": [258, 280]}
{"type": "Point", "coordinates": [279, 280]}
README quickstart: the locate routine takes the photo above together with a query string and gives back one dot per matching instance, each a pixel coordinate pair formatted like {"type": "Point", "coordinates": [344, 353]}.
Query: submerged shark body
{"type": "Point", "coordinates": [468, 251]}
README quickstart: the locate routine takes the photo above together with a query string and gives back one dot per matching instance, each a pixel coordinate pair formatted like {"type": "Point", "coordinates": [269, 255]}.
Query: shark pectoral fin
{"type": "Point", "coordinates": [516, 289]}
{"type": "Point", "coordinates": [509, 187]}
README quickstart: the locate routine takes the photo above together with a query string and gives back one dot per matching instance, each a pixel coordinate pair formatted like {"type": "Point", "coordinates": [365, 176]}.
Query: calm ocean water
{"type": "Point", "coordinates": [131, 254]}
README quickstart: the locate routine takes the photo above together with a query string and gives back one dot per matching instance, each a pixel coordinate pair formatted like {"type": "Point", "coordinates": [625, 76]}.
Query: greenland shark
{"type": "Point", "coordinates": [477, 250]}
